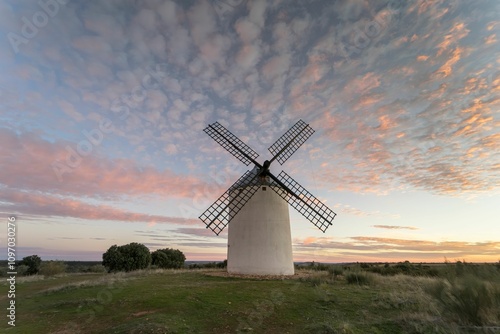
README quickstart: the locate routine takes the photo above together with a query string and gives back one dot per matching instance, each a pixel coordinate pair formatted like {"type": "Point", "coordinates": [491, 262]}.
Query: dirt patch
{"type": "Point", "coordinates": [298, 274]}
{"type": "Point", "coordinates": [141, 313]}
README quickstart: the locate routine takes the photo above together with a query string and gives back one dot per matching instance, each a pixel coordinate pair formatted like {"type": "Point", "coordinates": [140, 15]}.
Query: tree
{"type": "Point", "coordinates": [113, 259]}
{"type": "Point", "coordinates": [133, 256]}
{"type": "Point", "coordinates": [168, 258]}
{"type": "Point", "coordinates": [33, 262]}
{"type": "Point", "coordinates": [52, 268]}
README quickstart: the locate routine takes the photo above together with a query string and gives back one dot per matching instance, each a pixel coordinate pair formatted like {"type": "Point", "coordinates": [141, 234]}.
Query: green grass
{"type": "Point", "coordinates": [196, 301]}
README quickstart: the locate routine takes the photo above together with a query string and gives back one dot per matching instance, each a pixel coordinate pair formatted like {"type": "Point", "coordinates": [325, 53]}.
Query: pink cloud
{"type": "Point", "coordinates": [329, 249]}
{"type": "Point", "coordinates": [363, 84]}
{"type": "Point", "coordinates": [92, 45]}
{"type": "Point", "coordinates": [395, 227]}
{"type": "Point", "coordinates": [456, 33]}
{"type": "Point", "coordinates": [38, 204]}
{"type": "Point", "coordinates": [248, 55]}
{"type": "Point", "coordinates": [27, 162]}
{"type": "Point", "coordinates": [446, 69]}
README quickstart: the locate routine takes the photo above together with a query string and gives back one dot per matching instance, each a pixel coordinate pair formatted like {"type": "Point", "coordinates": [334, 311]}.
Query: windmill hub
{"type": "Point", "coordinates": [265, 168]}
{"type": "Point", "coordinates": [259, 238]}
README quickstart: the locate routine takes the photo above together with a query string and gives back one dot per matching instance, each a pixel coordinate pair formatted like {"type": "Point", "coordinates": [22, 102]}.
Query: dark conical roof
{"type": "Point", "coordinates": [252, 179]}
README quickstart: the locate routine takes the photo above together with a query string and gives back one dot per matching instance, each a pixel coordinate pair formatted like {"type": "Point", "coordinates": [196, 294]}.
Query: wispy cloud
{"type": "Point", "coordinates": [390, 249]}
{"type": "Point", "coordinates": [44, 205]}
{"type": "Point", "coordinates": [347, 209]}
{"type": "Point", "coordinates": [95, 176]}
{"type": "Point", "coordinates": [395, 227]}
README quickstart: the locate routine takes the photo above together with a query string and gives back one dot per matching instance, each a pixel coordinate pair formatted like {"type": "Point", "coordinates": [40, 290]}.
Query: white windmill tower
{"type": "Point", "coordinates": [259, 239]}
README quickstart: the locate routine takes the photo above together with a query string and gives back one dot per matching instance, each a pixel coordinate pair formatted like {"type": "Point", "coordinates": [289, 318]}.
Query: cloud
{"type": "Point", "coordinates": [446, 69]}
{"type": "Point", "coordinates": [347, 209]}
{"type": "Point", "coordinates": [95, 176]}
{"type": "Point", "coordinates": [200, 232]}
{"type": "Point", "coordinates": [44, 205]}
{"type": "Point", "coordinates": [388, 249]}
{"type": "Point", "coordinates": [55, 254]}
{"type": "Point", "coordinates": [70, 110]}
{"type": "Point", "coordinates": [456, 33]}
{"type": "Point", "coordinates": [397, 138]}
{"type": "Point", "coordinates": [394, 227]}
{"type": "Point", "coordinates": [93, 45]}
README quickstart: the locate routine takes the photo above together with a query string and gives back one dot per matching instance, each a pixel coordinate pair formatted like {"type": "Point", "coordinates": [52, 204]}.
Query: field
{"type": "Point", "coordinates": [319, 299]}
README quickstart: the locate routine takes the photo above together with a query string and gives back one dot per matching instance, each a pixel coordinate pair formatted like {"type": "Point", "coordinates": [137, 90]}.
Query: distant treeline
{"type": "Point", "coordinates": [458, 268]}
{"type": "Point", "coordinates": [446, 269]}
{"type": "Point", "coordinates": [50, 268]}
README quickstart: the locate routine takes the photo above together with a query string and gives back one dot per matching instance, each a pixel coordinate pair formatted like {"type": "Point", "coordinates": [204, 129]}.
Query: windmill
{"type": "Point", "coordinates": [259, 239]}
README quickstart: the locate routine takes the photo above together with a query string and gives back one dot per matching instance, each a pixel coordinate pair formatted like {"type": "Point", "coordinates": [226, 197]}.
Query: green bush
{"type": "Point", "coordinates": [403, 268]}
{"type": "Point", "coordinates": [97, 268]}
{"type": "Point", "coordinates": [364, 265]}
{"type": "Point", "coordinates": [359, 278]}
{"type": "Point", "coordinates": [315, 280]}
{"type": "Point", "coordinates": [51, 268]}
{"type": "Point", "coordinates": [22, 270]}
{"type": "Point", "coordinates": [335, 271]}
{"type": "Point", "coordinates": [168, 258]}
{"type": "Point", "coordinates": [222, 264]}
{"type": "Point", "coordinates": [209, 265]}
{"type": "Point", "coordinates": [129, 257]}
{"type": "Point", "coordinates": [322, 267]}
{"type": "Point", "coordinates": [33, 262]}
{"type": "Point", "coordinates": [468, 300]}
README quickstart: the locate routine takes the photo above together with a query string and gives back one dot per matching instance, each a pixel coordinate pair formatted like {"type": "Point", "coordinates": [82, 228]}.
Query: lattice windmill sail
{"type": "Point", "coordinates": [259, 238]}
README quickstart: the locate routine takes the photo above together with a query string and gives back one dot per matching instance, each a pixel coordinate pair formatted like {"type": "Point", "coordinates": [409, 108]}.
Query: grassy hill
{"type": "Point", "coordinates": [328, 300]}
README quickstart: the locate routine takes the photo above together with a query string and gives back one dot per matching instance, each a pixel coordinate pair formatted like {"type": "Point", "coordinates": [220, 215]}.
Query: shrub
{"type": "Point", "coordinates": [404, 268]}
{"type": "Point", "coordinates": [468, 300]}
{"type": "Point", "coordinates": [222, 264]}
{"type": "Point", "coordinates": [51, 268]}
{"type": "Point", "coordinates": [359, 278]}
{"type": "Point", "coordinates": [335, 271]}
{"type": "Point", "coordinates": [33, 262]}
{"type": "Point", "coordinates": [315, 280]}
{"type": "Point", "coordinates": [129, 257]}
{"type": "Point", "coordinates": [321, 267]}
{"type": "Point", "coordinates": [168, 258]}
{"type": "Point", "coordinates": [97, 268]}
{"type": "Point", "coordinates": [22, 270]}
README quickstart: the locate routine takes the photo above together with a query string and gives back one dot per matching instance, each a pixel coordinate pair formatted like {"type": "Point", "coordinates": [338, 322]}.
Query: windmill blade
{"type": "Point", "coordinates": [231, 143]}
{"type": "Point", "coordinates": [290, 142]}
{"type": "Point", "coordinates": [220, 213]}
{"type": "Point", "coordinates": [303, 201]}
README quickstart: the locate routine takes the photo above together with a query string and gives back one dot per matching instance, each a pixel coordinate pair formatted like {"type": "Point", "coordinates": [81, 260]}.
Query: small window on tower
{"type": "Point", "coordinates": [264, 188]}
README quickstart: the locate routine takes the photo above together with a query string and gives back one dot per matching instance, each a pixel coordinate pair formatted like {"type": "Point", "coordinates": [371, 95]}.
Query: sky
{"type": "Point", "coordinates": [103, 106]}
